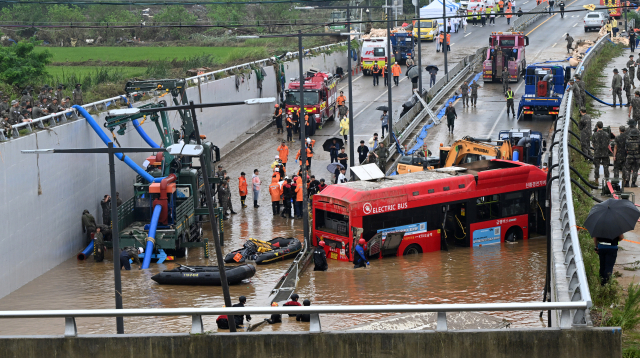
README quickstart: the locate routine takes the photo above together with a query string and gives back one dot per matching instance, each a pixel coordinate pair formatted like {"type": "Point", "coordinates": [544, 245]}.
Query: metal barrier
{"type": "Point", "coordinates": [196, 314]}
{"type": "Point", "coordinates": [103, 105]}
{"type": "Point", "coordinates": [568, 274]}
{"type": "Point", "coordinates": [525, 20]}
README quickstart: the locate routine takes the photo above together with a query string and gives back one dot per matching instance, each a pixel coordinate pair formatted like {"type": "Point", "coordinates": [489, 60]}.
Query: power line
{"type": "Point", "coordinates": [163, 3]}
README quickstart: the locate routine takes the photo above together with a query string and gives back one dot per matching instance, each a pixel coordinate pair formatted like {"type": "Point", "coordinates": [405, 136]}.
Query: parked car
{"type": "Point", "coordinates": [594, 20]}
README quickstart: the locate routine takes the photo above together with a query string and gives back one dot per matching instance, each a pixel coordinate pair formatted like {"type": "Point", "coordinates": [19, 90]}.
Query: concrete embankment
{"type": "Point", "coordinates": [43, 196]}
{"type": "Point", "coordinates": [548, 342]}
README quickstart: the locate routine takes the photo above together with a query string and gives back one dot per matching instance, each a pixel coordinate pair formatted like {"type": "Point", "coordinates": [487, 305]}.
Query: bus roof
{"type": "Point", "coordinates": [500, 175]}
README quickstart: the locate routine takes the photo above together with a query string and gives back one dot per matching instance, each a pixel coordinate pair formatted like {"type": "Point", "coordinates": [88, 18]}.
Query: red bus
{"type": "Point", "coordinates": [474, 204]}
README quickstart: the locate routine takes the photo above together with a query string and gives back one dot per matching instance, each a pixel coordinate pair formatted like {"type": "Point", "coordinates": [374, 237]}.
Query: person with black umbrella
{"type": "Point", "coordinates": [607, 222]}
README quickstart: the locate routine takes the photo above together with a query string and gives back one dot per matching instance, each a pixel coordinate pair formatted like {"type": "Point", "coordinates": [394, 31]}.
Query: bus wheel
{"type": "Point", "coordinates": [412, 249]}
{"type": "Point", "coordinates": [513, 234]}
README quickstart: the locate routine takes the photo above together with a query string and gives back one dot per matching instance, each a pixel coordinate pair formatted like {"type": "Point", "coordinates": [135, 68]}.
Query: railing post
{"type": "Point", "coordinates": [70, 329]}
{"type": "Point", "coordinates": [442, 321]}
{"type": "Point", "coordinates": [314, 325]}
{"type": "Point", "coordinates": [196, 324]}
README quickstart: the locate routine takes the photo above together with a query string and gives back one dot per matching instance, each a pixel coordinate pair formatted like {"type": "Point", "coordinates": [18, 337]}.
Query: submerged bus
{"type": "Point", "coordinates": [480, 203]}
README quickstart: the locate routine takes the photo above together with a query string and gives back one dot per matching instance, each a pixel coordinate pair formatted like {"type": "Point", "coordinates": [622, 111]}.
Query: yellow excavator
{"type": "Point", "coordinates": [465, 150]}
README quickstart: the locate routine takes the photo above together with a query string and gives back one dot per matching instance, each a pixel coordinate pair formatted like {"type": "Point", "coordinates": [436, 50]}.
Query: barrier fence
{"type": "Point", "coordinates": [569, 279]}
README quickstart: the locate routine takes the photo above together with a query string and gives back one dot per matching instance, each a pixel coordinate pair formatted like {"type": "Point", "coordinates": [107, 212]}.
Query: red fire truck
{"type": "Point", "coordinates": [614, 7]}
{"type": "Point", "coordinates": [320, 95]}
{"type": "Point", "coordinates": [476, 204]}
{"type": "Point", "coordinates": [505, 53]}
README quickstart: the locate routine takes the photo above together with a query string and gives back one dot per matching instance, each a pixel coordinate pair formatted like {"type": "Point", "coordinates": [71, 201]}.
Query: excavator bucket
{"type": "Point", "coordinates": [506, 151]}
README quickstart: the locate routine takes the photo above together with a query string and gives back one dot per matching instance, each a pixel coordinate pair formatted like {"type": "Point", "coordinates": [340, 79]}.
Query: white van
{"type": "Point", "coordinates": [374, 50]}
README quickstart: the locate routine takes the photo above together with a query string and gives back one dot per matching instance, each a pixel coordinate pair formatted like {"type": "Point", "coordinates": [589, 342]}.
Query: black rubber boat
{"type": "Point", "coordinates": [203, 275]}
{"type": "Point", "coordinates": [265, 252]}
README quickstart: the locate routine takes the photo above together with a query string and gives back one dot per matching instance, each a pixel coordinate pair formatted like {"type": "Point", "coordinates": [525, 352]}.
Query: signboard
{"type": "Point", "coordinates": [411, 229]}
{"type": "Point", "coordinates": [486, 236]}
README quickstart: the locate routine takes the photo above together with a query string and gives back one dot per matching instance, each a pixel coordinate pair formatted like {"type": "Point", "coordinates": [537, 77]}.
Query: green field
{"type": "Point", "coordinates": [82, 71]}
{"type": "Point", "coordinates": [131, 54]}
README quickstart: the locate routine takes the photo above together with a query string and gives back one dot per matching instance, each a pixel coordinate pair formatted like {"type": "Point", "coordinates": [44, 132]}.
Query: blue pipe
{"type": "Point", "coordinates": [516, 156]}
{"type": "Point", "coordinates": [152, 234]}
{"type": "Point", "coordinates": [86, 252]}
{"type": "Point", "coordinates": [599, 100]}
{"type": "Point", "coordinates": [139, 129]}
{"type": "Point", "coordinates": [106, 140]}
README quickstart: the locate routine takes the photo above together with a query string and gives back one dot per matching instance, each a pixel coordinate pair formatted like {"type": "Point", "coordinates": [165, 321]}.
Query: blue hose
{"type": "Point", "coordinates": [599, 100]}
{"type": "Point", "coordinates": [148, 251]}
{"type": "Point", "coordinates": [86, 252]}
{"type": "Point", "coordinates": [139, 129]}
{"type": "Point", "coordinates": [106, 140]}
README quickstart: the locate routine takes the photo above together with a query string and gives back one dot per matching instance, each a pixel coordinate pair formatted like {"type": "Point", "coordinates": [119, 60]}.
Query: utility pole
{"type": "Point", "coordinates": [389, 102]}
{"type": "Point", "coordinates": [303, 148]}
{"type": "Point", "coordinates": [444, 43]}
{"type": "Point", "coordinates": [349, 59]}
{"type": "Point", "coordinates": [417, 4]}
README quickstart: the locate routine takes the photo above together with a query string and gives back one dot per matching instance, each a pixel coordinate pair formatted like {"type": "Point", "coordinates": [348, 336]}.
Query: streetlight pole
{"type": "Point", "coordinates": [115, 239]}
{"type": "Point", "coordinates": [419, 47]}
{"type": "Point", "coordinates": [349, 59]}
{"type": "Point", "coordinates": [303, 148]}
{"type": "Point", "coordinates": [388, 78]}
{"type": "Point", "coordinates": [444, 43]}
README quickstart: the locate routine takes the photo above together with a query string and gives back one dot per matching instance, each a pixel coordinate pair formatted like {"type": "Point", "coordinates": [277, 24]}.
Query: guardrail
{"type": "Point", "coordinates": [523, 21]}
{"type": "Point", "coordinates": [54, 119]}
{"type": "Point", "coordinates": [568, 273]}
{"type": "Point", "coordinates": [196, 314]}
{"type": "Point", "coordinates": [407, 123]}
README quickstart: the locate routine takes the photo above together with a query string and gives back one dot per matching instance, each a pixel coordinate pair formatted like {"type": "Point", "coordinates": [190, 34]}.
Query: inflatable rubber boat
{"type": "Point", "coordinates": [265, 252]}
{"type": "Point", "coordinates": [203, 275]}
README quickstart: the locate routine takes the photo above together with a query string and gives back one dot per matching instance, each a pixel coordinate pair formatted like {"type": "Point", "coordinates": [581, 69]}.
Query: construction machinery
{"type": "Point", "coordinates": [465, 150]}
{"type": "Point", "coordinates": [169, 212]}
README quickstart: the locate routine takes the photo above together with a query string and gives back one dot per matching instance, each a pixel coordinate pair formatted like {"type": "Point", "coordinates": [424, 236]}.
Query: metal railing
{"type": "Point", "coordinates": [54, 119]}
{"type": "Point", "coordinates": [568, 272]}
{"type": "Point", "coordinates": [522, 22]}
{"type": "Point", "coordinates": [196, 314]}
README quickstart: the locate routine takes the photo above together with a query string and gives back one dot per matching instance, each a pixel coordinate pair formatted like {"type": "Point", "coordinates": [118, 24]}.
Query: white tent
{"type": "Point", "coordinates": [434, 10]}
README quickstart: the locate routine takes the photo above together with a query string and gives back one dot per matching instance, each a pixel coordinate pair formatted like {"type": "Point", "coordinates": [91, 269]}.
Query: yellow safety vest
{"type": "Point", "coordinates": [509, 94]}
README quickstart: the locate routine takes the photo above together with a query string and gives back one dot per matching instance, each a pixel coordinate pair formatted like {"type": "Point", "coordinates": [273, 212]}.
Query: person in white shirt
{"type": "Point", "coordinates": [342, 178]}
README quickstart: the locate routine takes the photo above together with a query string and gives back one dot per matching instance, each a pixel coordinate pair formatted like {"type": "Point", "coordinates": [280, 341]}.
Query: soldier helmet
{"type": "Point", "coordinates": [631, 123]}
{"type": "Point", "coordinates": [60, 86]}
{"type": "Point", "coordinates": [583, 109]}
{"type": "Point", "coordinates": [634, 132]}
{"type": "Point", "coordinates": [78, 85]}
{"type": "Point", "coordinates": [615, 70]}
{"type": "Point", "coordinates": [14, 102]}
{"type": "Point", "coordinates": [624, 70]}
{"type": "Point", "coordinates": [622, 129]}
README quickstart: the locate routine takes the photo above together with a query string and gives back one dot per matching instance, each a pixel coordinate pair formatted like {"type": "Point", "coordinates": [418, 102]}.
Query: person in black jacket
{"type": "Point", "coordinates": [275, 318]}
{"type": "Point", "coordinates": [304, 317]}
{"type": "Point", "coordinates": [239, 319]}
{"type": "Point", "coordinates": [287, 194]}
{"type": "Point", "coordinates": [320, 258]}
{"type": "Point", "coordinates": [363, 151]}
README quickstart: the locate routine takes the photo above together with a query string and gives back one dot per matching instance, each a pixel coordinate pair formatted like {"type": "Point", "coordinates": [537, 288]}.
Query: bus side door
{"type": "Point", "coordinates": [455, 224]}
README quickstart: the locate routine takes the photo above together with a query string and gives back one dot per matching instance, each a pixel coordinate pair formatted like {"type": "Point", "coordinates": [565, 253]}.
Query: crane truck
{"type": "Point", "coordinates": [505, 53]}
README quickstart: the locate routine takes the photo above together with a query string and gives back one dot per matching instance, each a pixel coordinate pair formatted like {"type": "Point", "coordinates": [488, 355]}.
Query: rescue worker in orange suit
{"type": "Point", "coordinates": [448, 42]}
{"type": "Point", "coordinates": [296, 121]}
{"type": "Point", "coordinates": [293, 302]}
{"type": "Point", "coordinates": [341, 101]}
{"type": "Point", "coordinates": [395, 71]}
{"type": "Point", "coordinates": [359, 259]}
{"type": "Point", "coordinates": [283, 152]}
{"type": "Point", "coordinates": [320, 258]}
{"type": "Point", "coordinates": [299, 192]}
{"type": "Point", "coordinates": [375, 71]}
{"type": "Point", "coordinates": [289, 125]}
{"type": "Point", "coordinates": [308, 158]}
{"type": "Point", "coordinates": [276, 175]}
{"type": "Point", "coordinates": [308, 122]}
{"type": "Point", "coordinates": [441, 40]}
{"type": "Point", "coordinates": [310, 153]}
{"type": "Point", "coordinates": [509, 13]}
{"type": "Point", "coordinates": [277, 115]}
{"type": "Point", "coordinates": [242, 188]}
{"type": "Point", "coordinates": [276, 192]}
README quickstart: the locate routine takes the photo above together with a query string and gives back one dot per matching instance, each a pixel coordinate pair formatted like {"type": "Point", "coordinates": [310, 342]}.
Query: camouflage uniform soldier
{"type": "Point", "coordinates": [77, 96]}
{"type": "Point", "coordinates": [382, 153]}
{"type": "Point", "coordinates": [223, 194]}
{"type": "Point", "coordinates": [631, 65]}
{"type": "Point", "coordinates": [585, 131]}
{"type": "Point", "coordinates": [464, 91]}
{"type": "Point", "coordinates": [619, 154]}
{"type": "Point", "coordinates": [632, 147]}
{"type": "Point", "coordinates": [581, 92]}
{"type": "Point", "coordinates": [59, 94]}
{"type": "Point", "coordinates": [634, 108]}
{"type": "Point", "coordinates": [474, 92]}
{"type": "Point", "coordinates": [601, 151]}
{"type": "Point", "coordinates": [98, 245]}
{"type": "Point", "coordinates": [626, 86]}
{"type": "Point", "coordinates": [4, 125]}
{"type": "Point", "coordinates": [616, 86]}
{"type": "Point", "coordinates": [88, 224]}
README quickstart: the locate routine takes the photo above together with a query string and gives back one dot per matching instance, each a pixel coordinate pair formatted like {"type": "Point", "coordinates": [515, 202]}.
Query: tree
{"type": "Point", "coordinates": [176, 14]}
{"type": "Point", "coordinates": [20, 65]}
{"type": "Point", "coordinates": [227, 14]}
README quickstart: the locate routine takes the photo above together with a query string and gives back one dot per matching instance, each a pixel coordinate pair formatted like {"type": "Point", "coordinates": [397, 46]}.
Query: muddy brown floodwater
{"type": "Point", "coordinates": [505, 273]}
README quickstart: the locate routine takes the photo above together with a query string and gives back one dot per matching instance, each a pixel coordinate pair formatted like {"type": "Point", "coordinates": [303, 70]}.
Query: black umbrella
{"type": "Point", "coordinates": [329, 142]}
{"type": "Point", "coordinates": [431, 67]}
{"type": "Point", "coordinates": [611, 218]}
{"type": "Point", "coordinates": [332, 167]}
{"type": "Point", "coordinates": [382, 108]}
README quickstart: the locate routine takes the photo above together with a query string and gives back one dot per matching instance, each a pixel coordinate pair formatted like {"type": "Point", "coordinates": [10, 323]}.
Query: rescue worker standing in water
{"type": "Point", "coordinates": [130, 253]}
{"type": "Point", "coordinates": [320, 258]}
{"type": "Point", "coordinates": [359, 260]}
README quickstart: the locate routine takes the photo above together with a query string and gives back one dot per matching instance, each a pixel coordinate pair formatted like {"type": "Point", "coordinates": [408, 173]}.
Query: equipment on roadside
{"type": "Point", "coordinates": [320, 96]}
{"type": "Point", "coordinates": [203, 275]}
{"type": "Point", "coordinates": [505, 53]}
{"type": "Point", "coordinates": [403, 46]}
{"type": "Point", "coordinates": [265, 252]}
{"type": "Point", "coordinates": [543, 91]}
{"type": "Point", "coordinates": [529, 145]}
{"type": "Point", "coordinates": [465, 150]}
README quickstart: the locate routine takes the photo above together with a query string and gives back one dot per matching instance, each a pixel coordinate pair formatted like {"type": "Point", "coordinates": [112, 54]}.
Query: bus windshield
{"type": "Point", "coordinates": [310, 97]}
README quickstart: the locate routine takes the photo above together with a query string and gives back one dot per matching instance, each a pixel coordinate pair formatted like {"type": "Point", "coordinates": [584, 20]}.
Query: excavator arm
{"type": "Point", "coordinates": [468, 146]}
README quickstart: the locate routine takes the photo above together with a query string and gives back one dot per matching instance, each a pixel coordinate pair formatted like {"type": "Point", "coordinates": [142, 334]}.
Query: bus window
{"type": "Point", "coordinates": [331, 222]}
{"type": "Point", "coordinates": [488, 207]}
{"type": "Point", "coordinates": [514, 204]}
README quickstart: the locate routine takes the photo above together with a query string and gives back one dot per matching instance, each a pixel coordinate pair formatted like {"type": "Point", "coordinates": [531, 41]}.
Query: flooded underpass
{"type": "Point", "coordinates": [498, 273]}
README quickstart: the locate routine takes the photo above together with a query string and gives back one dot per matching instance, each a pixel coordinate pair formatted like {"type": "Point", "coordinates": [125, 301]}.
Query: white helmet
{"type": "Point", "coordinates": [140, 250]}
{"type": "Point", "coordinates": [277, 157]}
{"type": "Point", "coordinates": [308, 140]}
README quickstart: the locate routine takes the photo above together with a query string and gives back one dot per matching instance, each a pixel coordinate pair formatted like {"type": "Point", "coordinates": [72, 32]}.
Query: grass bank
{"type": "Point", "coordinates": [612, 305]}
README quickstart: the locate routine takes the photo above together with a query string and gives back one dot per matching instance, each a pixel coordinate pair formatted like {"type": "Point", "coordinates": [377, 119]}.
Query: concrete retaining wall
{"type": "Point", "coordinates": [556, 343]}
{"type": "Point", "coordinates": [43, 198]}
